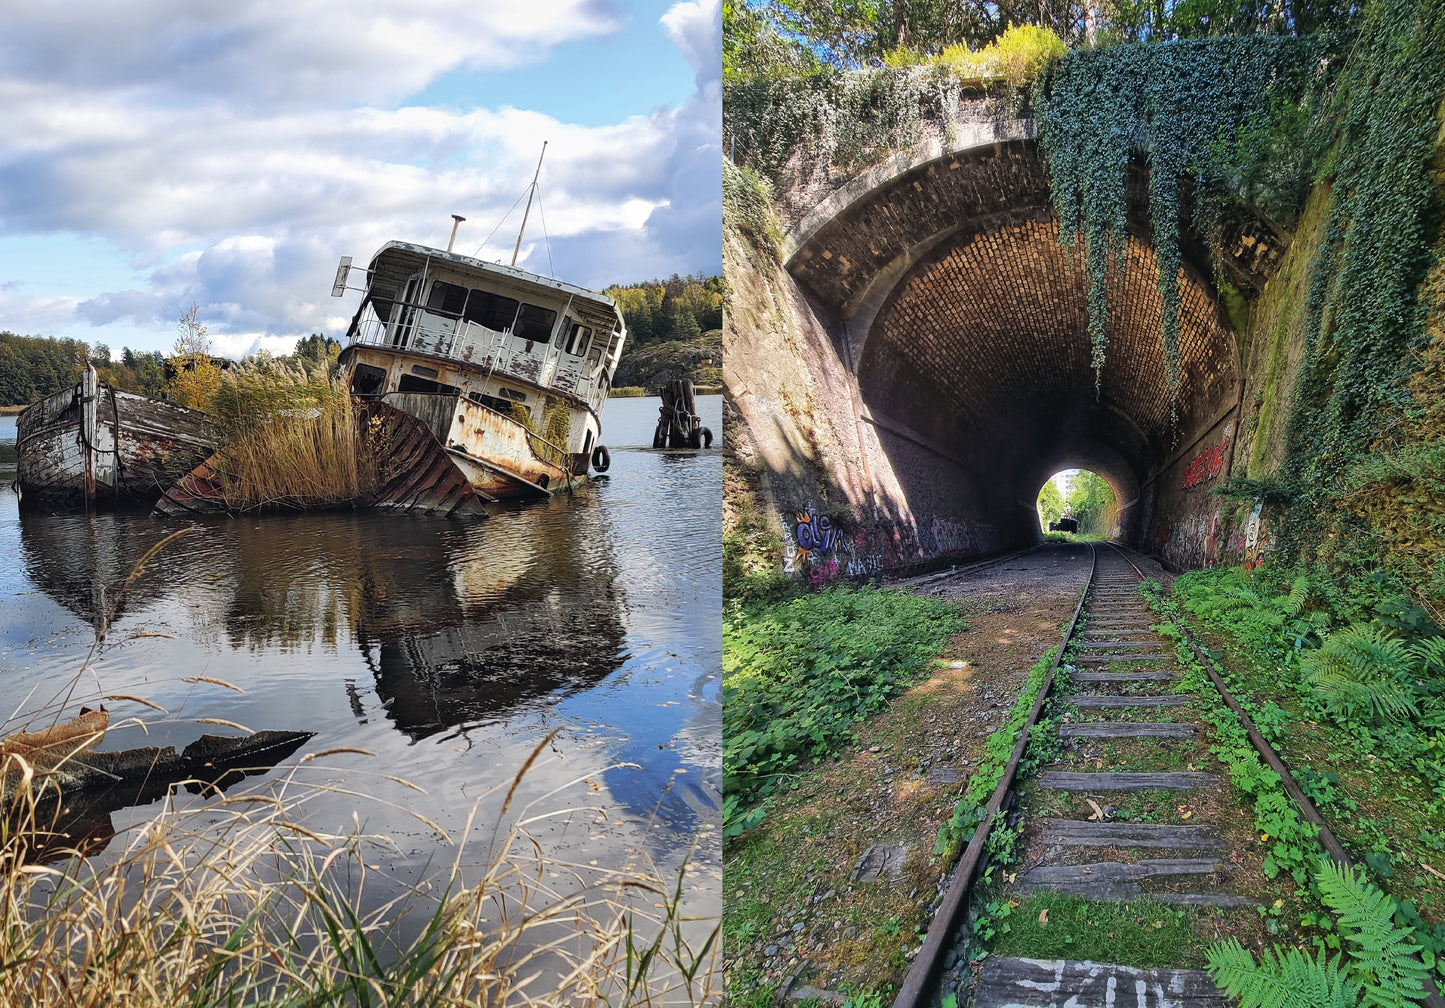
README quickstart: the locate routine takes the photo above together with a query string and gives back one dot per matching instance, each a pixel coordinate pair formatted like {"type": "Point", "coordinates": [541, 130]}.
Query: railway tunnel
{"type": "Point", "coordinates": [961, 323]}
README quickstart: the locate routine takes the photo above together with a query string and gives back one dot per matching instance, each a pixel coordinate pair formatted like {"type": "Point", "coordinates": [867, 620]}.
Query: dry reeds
{"type": "Point", "coordinates": [294, 440]}
{"type": "Point", "coordinates": [237, 903]}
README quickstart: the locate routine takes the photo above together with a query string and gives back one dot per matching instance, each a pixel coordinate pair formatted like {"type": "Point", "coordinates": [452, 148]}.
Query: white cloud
{"type": "Point", "coordinates": [233, 157]}
{"type": "Point", "coordinates": [260, 52]}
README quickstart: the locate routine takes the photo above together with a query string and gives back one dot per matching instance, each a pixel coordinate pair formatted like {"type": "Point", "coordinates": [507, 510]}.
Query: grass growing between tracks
{"type": "Point", "coordinates": [1053, 926]}
{"type": "Point", "coordinates": [1375, 774]}
{"type": "Point", "coordinates": [1141, 932]}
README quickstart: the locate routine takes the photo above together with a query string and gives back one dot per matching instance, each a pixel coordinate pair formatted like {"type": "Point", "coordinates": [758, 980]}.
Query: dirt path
{"type": "Point", "coordinates": [838, 885]}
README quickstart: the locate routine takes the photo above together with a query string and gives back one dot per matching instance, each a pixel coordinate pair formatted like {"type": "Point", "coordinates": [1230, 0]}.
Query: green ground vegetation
{"type": "Point", "coordinates": [1345, 686]}
{"type": "Point", "coordinates": [800, 670]}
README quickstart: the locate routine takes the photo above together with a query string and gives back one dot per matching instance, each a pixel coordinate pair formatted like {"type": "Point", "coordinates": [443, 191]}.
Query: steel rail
{"type": "Point", "coordinates": [926, 964]}
{"type": "Point", "coordinates": [980, 565]}
{"type": "Point", "coordinates": [1326, 836]}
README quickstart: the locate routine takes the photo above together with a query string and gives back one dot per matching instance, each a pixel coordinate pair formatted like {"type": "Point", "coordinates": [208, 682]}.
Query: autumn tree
{"type": "Point", "coordinates": [193, 375]}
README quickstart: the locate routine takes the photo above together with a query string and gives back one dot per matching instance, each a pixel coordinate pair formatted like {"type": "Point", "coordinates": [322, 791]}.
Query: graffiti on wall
{"type": "Point", "coordinates": [1205, 540]}
{"type": "Point", "coordinates": [819, 548]}
{"type": "Point", "coordinates": [1206, 465]}
{"type": "Point", "coordinates": [813, 544]}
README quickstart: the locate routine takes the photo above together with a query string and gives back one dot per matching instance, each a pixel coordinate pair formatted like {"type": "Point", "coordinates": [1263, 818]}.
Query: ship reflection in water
{"type": "Point", "coordinates": [458, 626]}
{"type": "Point", "coordinates": [447, 649]}
{"type": "Point", "coordinates": [445, 630]}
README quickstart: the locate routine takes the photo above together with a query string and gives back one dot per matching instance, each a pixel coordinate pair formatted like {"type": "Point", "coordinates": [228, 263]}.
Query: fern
{"type": "Point", "coordinates": [1429, 654]}
{"type": "Point", "coordinates": [1293, 980]}
{"type": "Point", "coordinates": [1299, 594]}
{"type": "Point", "coordinates": [1366, 920]}
{"type": "Point", "coordinates": [1363, 670]}
{"type": "Point", "coordinates": [1379, 970]}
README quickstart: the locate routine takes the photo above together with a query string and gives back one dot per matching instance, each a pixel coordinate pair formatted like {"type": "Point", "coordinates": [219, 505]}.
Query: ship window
{"type": "Point", "coordinates": [446, 298]}
{"type": "Point", "coordinates": [577, 338]}
{"type": "Point", "coordinates": [424, 371]}
{"type": "Point", "coordinates": [535, 323]}
{"type": "Point", "coordinates": [492, 402]}
{"type": "Point", "coordinates": [367, 380]}
{"type": "Point", "coordinates": [411, 383]}
{"type": "Point", "coordinates": [491, 310]}
{"type": "Point", "coordinates": [512, 394]}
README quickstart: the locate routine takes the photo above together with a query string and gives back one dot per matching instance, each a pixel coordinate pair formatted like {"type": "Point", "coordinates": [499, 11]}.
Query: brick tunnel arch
{"type": "Point", "coordinates": [964, 322]}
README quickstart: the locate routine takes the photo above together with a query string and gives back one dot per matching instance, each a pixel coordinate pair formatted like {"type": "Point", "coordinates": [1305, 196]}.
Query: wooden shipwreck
{"type": "Point", "coordinates": [96, 446]}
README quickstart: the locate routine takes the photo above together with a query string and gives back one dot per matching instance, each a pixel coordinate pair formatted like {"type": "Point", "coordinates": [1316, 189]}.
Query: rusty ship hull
{"type": "Point", "coordinates": [509, 370]}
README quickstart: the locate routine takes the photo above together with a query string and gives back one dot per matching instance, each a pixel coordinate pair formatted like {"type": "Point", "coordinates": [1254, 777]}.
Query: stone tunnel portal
{"type": "Point", "coordinates": [965, 324]}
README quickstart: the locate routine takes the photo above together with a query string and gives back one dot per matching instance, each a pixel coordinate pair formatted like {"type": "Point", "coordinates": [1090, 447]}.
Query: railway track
{"type": "Point", "coordinates": [1129, 734]}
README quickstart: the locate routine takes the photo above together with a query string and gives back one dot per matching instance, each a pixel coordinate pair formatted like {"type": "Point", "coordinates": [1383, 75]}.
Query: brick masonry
{"type": "Point", "coordinates": [936, 337]}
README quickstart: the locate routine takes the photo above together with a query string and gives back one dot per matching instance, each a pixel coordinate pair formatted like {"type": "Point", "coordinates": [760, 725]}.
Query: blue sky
{"type": "Point", "coordinates": [155, 153]}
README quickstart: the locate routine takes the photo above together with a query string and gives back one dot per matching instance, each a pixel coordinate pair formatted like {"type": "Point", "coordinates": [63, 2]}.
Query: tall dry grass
{"type": "Point", "coordinates": [295, 439]}
{"type": "Point", "coordinates": [238, 903]}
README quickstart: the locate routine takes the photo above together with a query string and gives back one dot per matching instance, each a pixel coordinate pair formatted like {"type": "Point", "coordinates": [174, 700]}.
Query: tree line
{"type": "Point", "coordinates": [789, 38]}
{"type": "Point", "coordinates": [32, 367]}
{"type": "Point", "coordinates": [676, 310]}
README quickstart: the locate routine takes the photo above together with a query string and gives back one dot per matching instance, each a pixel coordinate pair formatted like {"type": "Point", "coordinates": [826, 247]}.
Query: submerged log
{"type": "Point", "coordinates": [72, 790]}
{"type": "Point", "coordinates": [64, 757]}
{"type": "Point", "coordinates": [49, 750]}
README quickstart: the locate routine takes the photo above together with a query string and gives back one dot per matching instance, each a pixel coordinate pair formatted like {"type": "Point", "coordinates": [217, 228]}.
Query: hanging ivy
{"type": "Point", "coordinates": [1363, 322]}
{"type": "Point", "coordinates": [1181, 106]}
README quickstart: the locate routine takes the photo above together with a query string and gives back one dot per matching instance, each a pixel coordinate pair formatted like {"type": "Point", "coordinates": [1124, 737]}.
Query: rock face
{"type": "Point", "coordinates": [652, 367]}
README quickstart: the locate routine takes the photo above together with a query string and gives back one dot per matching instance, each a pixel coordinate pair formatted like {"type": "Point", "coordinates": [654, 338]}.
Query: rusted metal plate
{"type": "Point", "coordinates": [499, 456]}
{"type": "Point", "coordinates": [415, 472]}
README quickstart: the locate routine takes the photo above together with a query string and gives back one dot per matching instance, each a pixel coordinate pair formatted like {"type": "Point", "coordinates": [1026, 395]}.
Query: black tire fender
{"type": "Point", "coordinates": [601, 458]}
{"type": "Point", "coordinates": [706, 438]}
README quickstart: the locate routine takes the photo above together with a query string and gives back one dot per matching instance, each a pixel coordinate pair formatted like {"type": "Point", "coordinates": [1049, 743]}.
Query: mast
{"type": "Point", "coordinates": [530, 193]}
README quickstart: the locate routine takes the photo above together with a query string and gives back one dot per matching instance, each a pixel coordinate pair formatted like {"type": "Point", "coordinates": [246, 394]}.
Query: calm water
{"type": "Point", "coordinates": [445, 649]}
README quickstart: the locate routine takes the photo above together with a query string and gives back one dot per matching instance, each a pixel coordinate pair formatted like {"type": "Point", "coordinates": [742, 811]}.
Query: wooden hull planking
{"type": "Point", "coordinates": [135, 447]}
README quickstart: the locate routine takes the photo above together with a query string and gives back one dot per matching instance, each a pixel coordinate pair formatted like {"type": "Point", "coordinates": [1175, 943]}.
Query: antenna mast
{"type": "Point", "coordinates": [530, 193]}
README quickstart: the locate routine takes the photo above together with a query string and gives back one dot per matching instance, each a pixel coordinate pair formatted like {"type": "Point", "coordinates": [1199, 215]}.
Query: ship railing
{"type": "Point", "coordinates": [485, 344]}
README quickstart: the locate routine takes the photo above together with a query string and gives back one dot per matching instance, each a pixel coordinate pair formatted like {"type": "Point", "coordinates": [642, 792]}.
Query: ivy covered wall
{"type": "Point", "coordinates": [1337, 441]}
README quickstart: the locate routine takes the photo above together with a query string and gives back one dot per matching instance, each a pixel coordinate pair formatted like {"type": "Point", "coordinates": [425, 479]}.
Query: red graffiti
{"type": "Point", "coordinates": [1206, 465]}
